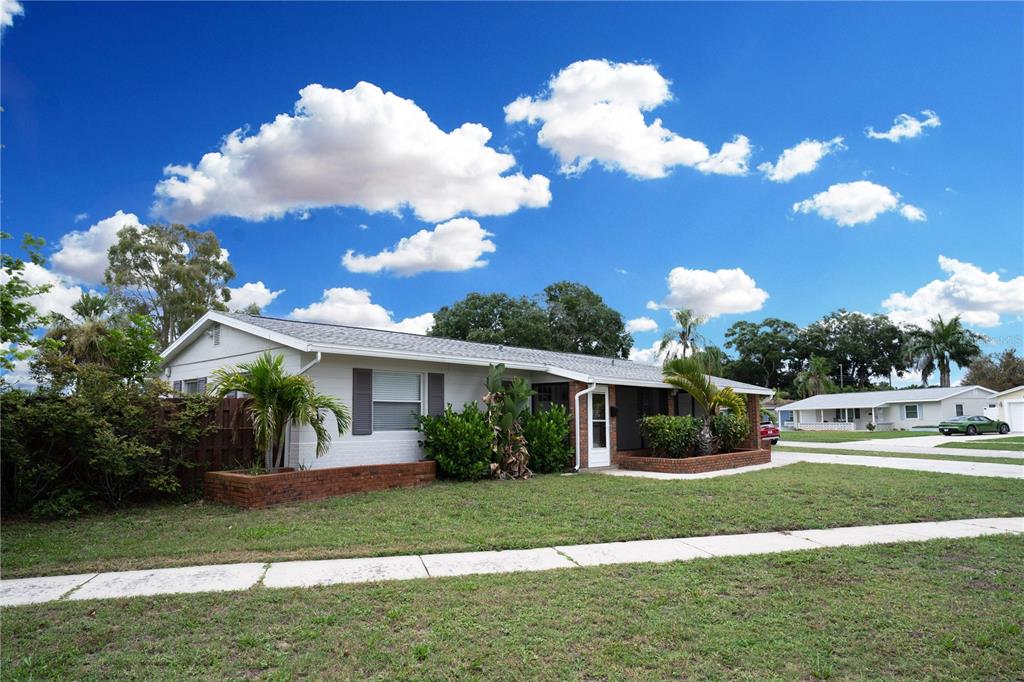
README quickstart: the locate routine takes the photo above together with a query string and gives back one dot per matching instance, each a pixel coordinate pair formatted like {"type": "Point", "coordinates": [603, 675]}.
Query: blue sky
{"type": "Point", "coordinates": [99, 98]}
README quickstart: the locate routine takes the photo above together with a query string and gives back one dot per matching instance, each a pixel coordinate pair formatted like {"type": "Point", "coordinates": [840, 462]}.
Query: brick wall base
{"type": "Point", "coordinates": [696, 465]}
{"type": "Point", "coordinates": [248, 491]}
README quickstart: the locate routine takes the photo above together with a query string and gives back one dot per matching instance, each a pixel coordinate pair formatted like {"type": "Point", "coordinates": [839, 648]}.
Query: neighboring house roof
{"type": "Point", "coordinates": [333, 338]}
{"type": "Point", "coordinates": [1008, 391]}
{"type": "Point", "coordinates": [877, 398]}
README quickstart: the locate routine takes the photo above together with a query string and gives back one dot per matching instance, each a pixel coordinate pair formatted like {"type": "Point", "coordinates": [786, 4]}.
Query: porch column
{"type": "Point", "coordinates": [754, 419]}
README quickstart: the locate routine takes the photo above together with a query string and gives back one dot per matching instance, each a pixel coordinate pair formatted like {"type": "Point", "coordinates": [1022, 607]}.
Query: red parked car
{"type": "Point", "coordinates": [769, 432]}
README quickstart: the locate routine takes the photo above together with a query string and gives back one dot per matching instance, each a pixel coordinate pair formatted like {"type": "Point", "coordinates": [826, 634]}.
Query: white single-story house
{"type": "Point", "coordinates": [1008, 406]}
{"type": "Point", "coordinates": [887, 410]}
{"type": "Point", "coordinates": [386, 378]}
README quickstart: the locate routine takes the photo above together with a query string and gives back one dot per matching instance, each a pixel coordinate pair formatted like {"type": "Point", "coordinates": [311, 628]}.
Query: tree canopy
{"type": "Point", "coordinates": [1000, 372]}
{"type": "Point", "coordinates": [570, 318]}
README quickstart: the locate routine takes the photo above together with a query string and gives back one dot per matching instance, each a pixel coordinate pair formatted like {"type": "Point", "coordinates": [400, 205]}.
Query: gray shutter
{"type": "Point", "coordinates": [362, 402]}
{"type": "Point", "coordinates": [177, 386]}
{"type": "Point", "coordinates": [435, 394]}
{"type": "Point", "coordinates": [202, 385]}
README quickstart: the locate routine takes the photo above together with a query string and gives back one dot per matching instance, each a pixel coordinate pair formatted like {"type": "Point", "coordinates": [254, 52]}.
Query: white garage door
{"type": "Point", "coordinates": [1015, 416]}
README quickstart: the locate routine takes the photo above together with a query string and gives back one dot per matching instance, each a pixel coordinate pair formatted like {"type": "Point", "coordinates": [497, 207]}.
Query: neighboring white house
{"type": "Point", "coordinates": [1008, 406]}
{"type": "Point", "coordinates": [906, 409]}
{"type": "Point", "coordinates": [386, 378]}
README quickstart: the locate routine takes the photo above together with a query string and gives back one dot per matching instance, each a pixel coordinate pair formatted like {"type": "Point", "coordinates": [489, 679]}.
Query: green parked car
{"type": "Point", "coordinates": [972, 426]}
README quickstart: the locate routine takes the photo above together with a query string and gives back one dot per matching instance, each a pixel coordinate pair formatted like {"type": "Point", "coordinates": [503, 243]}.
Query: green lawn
{"type": "Point", "coordinates": [905, 455]}
{"type": "Point", "coordinates": [546, 510]}
{"type": "Point", "coordinates": [941, 610]}
{"type": "Point", "coordinates": [1015, 443]}
{"type": "Point", "coordinates": [847, 436]}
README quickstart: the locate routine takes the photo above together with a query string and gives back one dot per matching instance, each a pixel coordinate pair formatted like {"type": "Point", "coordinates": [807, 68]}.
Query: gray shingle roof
{"type": "Point", "coordinates": [602, 370]}
{"type": "Point", "coordinates": [875, 398]}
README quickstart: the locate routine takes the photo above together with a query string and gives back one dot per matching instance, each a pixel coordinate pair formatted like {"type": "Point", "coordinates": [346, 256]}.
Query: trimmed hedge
{"type": "Point", "coordinates": [729, 430]}
{"type": "Point", "coordinates": [460, 442]}
{"type": "Point", "coordinates": [670, 436]}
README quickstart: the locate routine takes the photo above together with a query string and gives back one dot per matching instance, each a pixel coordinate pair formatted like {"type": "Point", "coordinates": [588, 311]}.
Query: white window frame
{"type": "Point", "coordinates": [196, 382]}
{"type": "Point", "coordinates": [917, 408]}
{"type": "Point", "coordinates": [958, 409]}
{"type": "Point", "coordinates": [422, 402]}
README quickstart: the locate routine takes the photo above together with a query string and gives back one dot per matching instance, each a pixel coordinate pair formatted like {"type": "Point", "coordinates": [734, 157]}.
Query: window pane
{"type": "Point", "coordinates": [598, 405]}
{"type": "Point", "coordinates": [395, 416]}
{"type": "Point", "coordinates": [395, 386]}
{"type": "Point", "coordinates": [911, 411]}
{"type": "Point", "coordinates": [600, 435]}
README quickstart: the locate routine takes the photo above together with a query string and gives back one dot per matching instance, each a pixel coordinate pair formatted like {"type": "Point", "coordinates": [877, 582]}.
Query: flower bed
{"type": "Point", "coordinates": [242, 489]}
{"type": "Point", "coordinates": [696, 465]}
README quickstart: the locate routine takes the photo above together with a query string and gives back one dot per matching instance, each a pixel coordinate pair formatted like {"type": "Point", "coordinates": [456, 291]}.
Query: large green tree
{"type": "Point", "coordinates": [857, 346]}
{"type": "Point", "coordinates": [943, 344]}
{"type": "Point", "coordinates": [768, 346]}
{"type": "Point", "coordinates": [579, 321]}
{"type": "Point", "coordinates": [18, 317]}
{"type": "Point", "coordinates": [171, 273]}
{"type": "Point", "coordinates": [571, 318]}
{"type": "Point", "coordinates": [1000, 372]}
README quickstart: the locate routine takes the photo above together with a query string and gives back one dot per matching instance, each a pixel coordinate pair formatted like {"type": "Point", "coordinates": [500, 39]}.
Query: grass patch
{"type": "Point", "coordinates": [1015, 443]}
{"type": "Point", "coordinates": [940, 610]}
{"type": "Point", "coordinates": [846, 436]}
{"type": "Point", "coordinates": [543, 511]}
{"type": "Point", "coordinates": [904, 455]}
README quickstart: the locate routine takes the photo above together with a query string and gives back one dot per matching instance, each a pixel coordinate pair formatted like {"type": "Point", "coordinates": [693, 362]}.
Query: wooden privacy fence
{"type": "Point", "coordinates": [222, 447]}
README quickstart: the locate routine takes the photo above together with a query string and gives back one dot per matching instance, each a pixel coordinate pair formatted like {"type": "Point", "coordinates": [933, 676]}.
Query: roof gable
{"type": "Point", "coordinates": [877, 398]}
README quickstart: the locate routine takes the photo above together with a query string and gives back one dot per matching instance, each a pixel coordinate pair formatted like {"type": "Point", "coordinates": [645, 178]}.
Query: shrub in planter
{"type": "Point", "coordinates": [729, 430]}
{"type": "Point", "coordinates": [547, 439]}
{"type": "Point", "coordinates": [670, 436]}
{"type": "Point", "coordinates": [460, 442]}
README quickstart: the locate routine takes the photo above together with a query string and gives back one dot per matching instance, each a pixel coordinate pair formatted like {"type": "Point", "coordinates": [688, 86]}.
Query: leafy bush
{"type": "Point", "coordinates": [729, 430]}
{"type": "Point", "coordinates": [547, 439]}
{"type": "Point", "coordinates": [460, 442]}
{"type": "Point", "coordinates": [108, 442]}
{"type": "Point", "coordinates": [670, 436]}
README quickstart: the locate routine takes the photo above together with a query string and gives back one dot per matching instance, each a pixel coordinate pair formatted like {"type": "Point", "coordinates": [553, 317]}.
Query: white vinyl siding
{"type": "Point", "coordinates": [397, 400]}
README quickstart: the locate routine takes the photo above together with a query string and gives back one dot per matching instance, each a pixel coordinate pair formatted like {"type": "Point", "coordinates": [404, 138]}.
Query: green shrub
{"type": "Point", "coordinates": [729, 430]}
{"type": "Point", "coordinates": [670, 436]}
{"type": "Point", "coordinates": [547, 439]}
{"type": "Point", "coordinates": [460, 442]}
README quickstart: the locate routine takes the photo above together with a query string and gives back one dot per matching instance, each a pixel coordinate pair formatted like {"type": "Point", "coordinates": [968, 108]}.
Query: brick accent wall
{"type": "Point", "coordinates": [613, 428]}
{"type": "Point", "coordinates": [696, 465]}
{"type": "Point", "coordinates": [754, 419]}
{"type": "Point", "coordinates": [245, 490]}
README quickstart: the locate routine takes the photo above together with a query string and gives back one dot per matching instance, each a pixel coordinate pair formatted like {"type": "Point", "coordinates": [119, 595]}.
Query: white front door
{"type": "Point", "coordinates": [599, 453]}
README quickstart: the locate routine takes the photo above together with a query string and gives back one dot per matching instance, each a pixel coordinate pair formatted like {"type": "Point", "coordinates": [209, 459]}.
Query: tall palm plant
{"type": "Point", "coordinates": [82, 338]}
{"type": "Point", "coordinates": [274, 399]}
{"type": "Point", "coordinates": [941, 345]}
{"type": "Point", "coordinates": [816, 378]}
{"type": "Point", "coordinates": [689, 375]}
{"type": "Point", "coordinates": [686, 338]}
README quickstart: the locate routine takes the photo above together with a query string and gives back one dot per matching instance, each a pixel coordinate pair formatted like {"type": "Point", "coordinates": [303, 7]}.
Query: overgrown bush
{"type": "Point", "coordinates": [729, 430]}
{"type": "Point", "coordinates": [460, 442]}
{"type": "Point", "coordinates": [670, 436]}
{"type": "Point", "coordinates": [547, 439]}
{"type": "Point", "coordinates": [109, 442]}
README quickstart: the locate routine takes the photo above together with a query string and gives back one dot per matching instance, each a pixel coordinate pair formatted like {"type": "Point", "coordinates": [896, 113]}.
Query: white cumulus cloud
{"type": "Point", "coordinates": [593, 110]}
{"type": "Point", "coordinates": [801, 159]}
{"type": "Point", "coordinates": [8, 10]}
{"type": "Point", "coordinates": [450, 247]}
{"type": "Point", "coordinates": [641, 324]}
{"type": "Point", "coordinates": [712, 293]}
{"type": "Point", "coordinates": [360, 147]}
{"type": "Point", "coordinates": [83, 253]}
{"type": "Point", "coordinates": [980, 298]}
{"type": "Point", "coordinates": [906, 126]}
{"type": "Point", "coordinates": [354, 307]}
{"type": "Point", "coordinates": [252, 293]}
{"type": "Point", "coordinates": [654, 355]}
{"type": "Point", "coordinates": [59, 299]}
{"type": "Point", "coordinates": [852, 203]}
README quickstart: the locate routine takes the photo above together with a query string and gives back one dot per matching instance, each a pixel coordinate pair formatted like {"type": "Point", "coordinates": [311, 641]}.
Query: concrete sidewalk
{"type": "Point", "coordinates": [234, 577]}
{"type": "Point", "coordinates": [894, 445]}
{"type": "Point", "coordinates": [934, 465]}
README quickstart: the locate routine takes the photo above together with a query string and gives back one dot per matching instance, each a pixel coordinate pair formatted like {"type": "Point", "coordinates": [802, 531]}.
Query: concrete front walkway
{"type": "Point", "coordinates": [899, 445]}
{"type": "Point", "coordinates": [234, 577]}
{"type": "Point", "coordinates": [936, 465]}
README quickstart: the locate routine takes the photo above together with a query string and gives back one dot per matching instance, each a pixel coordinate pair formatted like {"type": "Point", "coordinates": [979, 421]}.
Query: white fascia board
{"type": "Point", "coordinates": [1002, 393]}
{"type": "Point", "coordinates": [357, 351]}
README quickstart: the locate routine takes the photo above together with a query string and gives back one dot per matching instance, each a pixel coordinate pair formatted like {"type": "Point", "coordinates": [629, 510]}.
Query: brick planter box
{"type": "Point", "coordinates": [251, 491]}
{"type": "Point", "coordinates": [696, 465]}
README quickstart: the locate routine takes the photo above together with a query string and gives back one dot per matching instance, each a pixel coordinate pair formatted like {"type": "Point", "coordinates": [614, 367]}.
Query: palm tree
{"type": "Point", "coordinates": [274, 399]}
{"type": "Point", "coordinates": [83, 338]}
{"type": "Point", "coordinates": [687, 337]}
{"type": "Point", "coordinates": [944, 343]}
{"type": "Point", "coordinates": [690, 375]}
{"type": "Point", "coordinates": [816, 378]}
